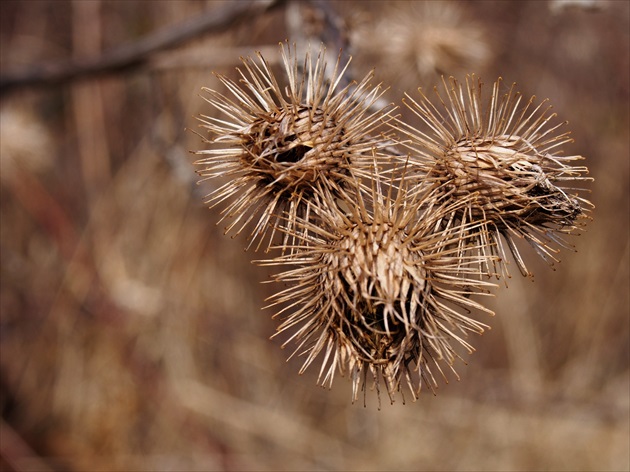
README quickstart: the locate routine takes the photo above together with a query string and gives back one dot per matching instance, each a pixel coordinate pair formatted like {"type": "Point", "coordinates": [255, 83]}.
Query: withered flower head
{"type": "Point", "coordinates": [415, 43]}
{"type": "Point", "coordinates": [275, 143]}
{"type": "Point", "coordinates": [506, 154]}
{"type": "Point", "coordinates": [381, 287]}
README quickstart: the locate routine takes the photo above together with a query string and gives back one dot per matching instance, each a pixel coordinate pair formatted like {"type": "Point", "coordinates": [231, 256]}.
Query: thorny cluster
{"type": "Point", "coordinates": [386, 233]}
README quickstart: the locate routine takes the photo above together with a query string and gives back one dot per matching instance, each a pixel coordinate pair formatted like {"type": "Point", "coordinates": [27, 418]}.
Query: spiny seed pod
{"type": "Point", "coordinates": [505, 153]}
{"type": "Point", "coordinates": [416, 42]}
{"type": "Point", "coordinates": [274, 143]}
{"type": "Point", "coordinates": [381, 286]}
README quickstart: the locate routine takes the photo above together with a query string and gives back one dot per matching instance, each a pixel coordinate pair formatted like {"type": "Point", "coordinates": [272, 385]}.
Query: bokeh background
{"type": "Point", "coordinates": [132, 335]}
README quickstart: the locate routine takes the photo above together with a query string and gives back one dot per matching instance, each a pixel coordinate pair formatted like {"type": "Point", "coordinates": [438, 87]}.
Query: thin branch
{"type": "Point", "coordinates": [133, 55]}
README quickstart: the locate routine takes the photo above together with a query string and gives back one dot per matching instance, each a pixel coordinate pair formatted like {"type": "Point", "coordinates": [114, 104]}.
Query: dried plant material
{"type": "Point", "coordinates": [24, 141]}
{"type": "Point", "coordinates": [379, 291]}
{"type": "Point", "coordinates": [414, 43]}
{"type": "Point", "coordinates": [275, 144]}
{"type": "Point", "coordinates": [383, 261]}
{"type": "Point", "coordinates": [507, 154]}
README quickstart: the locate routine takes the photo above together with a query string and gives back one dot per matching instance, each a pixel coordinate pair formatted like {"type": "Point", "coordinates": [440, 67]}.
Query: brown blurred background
{"type": "Point", "coordinates": [132, 336]}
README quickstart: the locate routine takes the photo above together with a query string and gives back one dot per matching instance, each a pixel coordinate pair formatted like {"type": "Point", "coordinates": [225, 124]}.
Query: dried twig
{"type": "Point", "coordinates": [134, 55]}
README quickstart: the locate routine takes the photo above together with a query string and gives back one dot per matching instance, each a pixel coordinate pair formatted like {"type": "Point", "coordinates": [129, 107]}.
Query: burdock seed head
{"type": "Point", "coordinates": [275, 144]}
{"type": "Point", "coordinates": [507, 155]}
{"type": "Point", "coordinates": [380, 287]}
{"type": "Point", "coordinates": [415, 43]}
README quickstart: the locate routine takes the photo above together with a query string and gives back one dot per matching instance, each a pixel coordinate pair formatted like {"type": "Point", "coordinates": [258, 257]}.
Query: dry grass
{"type": "Point", "coordinates": [132, 337]}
